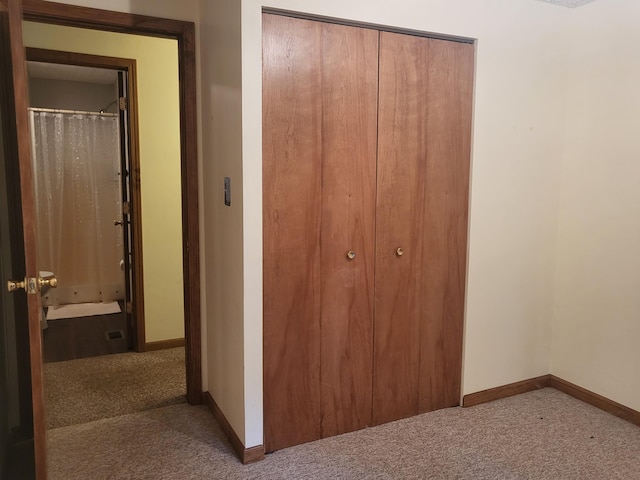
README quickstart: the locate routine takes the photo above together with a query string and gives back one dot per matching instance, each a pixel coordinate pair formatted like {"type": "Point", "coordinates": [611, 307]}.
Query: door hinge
{"type": "Point", "coordinates": [122, 101]}
{"type": "Point", "coordinates": [129, 308]}
{"type": "Point", "coordinates": [126, 208]}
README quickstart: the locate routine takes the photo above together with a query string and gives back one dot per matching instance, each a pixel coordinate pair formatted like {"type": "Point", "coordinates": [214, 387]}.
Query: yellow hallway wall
{"type": "Point", "coordinates": [159, 127]}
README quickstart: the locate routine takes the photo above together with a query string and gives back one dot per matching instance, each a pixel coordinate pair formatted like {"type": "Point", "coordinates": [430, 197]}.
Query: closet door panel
{"type": "Point", "coordinates": [292, 208]}
{"type": "Point", "coordinates": [349, 130]}
{"type": "Point", "coordinates": [449, 101]}
{"type": "Point", "coordinates": [400, 223]}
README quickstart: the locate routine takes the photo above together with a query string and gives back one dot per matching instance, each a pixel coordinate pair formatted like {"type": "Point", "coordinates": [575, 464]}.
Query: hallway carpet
{"type": "Point", "coordinates": [88, 389]}
{"type": "Point", "coordinates": [543, 435]}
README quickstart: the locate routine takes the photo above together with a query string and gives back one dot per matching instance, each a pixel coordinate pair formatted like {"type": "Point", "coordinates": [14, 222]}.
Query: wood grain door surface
{"type": "Point", "coordinates": [16, 145]}
{"type": "Point", "coordinates": [422, 196]}
{"type": "Point", "coordinates": [319, 153]}
{"type": "Point", "coordinates": [349, 130]}
{"type": "Point", "coordinates": [400, 223]}
{"type": "Point", "coordinates": [449, 107]}
{"type": "Point", "coordinates": [366, 145]}
{"type": "Point", "coordinates": [292, 206]}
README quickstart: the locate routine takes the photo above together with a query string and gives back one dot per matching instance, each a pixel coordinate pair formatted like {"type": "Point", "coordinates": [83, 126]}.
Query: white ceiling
{"type": "Point", "coordinates": [568, 3]}
{"type": "Point", "coordinates": [73, 73]}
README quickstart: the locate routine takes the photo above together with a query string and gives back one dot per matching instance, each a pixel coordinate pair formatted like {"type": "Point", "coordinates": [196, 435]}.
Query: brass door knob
{"type": "Point", "coordinates": [399, 251]}
{"type": "Point", "coordinates": [13, 285]}
{"type": "Point", "coordinates": [351, 255]}
{"type": "Point", "coordinates": [30, 284]}
{"type": "Point", "coordinates": [48, 282]}
{"type": "Point", "coordinates": [118, 222]}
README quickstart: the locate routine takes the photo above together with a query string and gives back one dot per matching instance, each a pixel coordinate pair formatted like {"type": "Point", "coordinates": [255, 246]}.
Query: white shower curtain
{"type": "Point", "coordinates": [77, 183]}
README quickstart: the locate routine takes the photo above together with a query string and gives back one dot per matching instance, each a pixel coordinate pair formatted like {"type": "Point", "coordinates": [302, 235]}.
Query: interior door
{"type": "Point", "coordinates": [449, 107]}
{"type": "Point", "coordinates": [349, 132]}
{"type": "Point", "coordinates": [400, 222]}
{"type": "Point", "coordinates": [22, 421]}
{"type": "Point", "coordinates": [319, 162]}
{"type": "Point", "coordinates": [421, 223]}
{"type": "Point", "coordinates": [292, 205]}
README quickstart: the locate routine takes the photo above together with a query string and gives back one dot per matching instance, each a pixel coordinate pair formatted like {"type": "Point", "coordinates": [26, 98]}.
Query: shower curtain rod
{"type": "Point", "coordinates": [76, 112]}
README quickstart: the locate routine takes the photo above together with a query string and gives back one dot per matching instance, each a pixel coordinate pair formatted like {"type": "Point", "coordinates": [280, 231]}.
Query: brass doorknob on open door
{"type": "Point", "coordinates": [351, 254]}
{"type": "Point", "coordinates": [399, 251]}
{"type": "Point", "coordinates": [117, 222]}
{"type": "Point", "coordinates": [13, 285]}
{"type": "Point", "coordinates": [48, 282]}
{"type": "Point", "coordinates": [31, 285]}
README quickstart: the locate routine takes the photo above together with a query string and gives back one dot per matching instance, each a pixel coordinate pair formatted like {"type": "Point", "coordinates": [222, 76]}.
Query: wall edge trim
{"type": "Point", "coordinates": [602, 403]}
{"type": "Point", "coordinates": [245, 455]}
{"type": "Point", "coordinates": [505, 391]}
{"type": "Point", "coordinates": [593, 399]}
{"type": "Point", "coordinates": [162, 344]}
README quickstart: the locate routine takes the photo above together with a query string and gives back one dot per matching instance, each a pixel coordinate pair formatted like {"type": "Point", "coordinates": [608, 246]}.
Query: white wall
{"type": "Point", "coordinates": [596, 330]}
{"type": "Point", "coordinates": [222, 146]}
{"type": "Point", "coordinates": [518, 125]}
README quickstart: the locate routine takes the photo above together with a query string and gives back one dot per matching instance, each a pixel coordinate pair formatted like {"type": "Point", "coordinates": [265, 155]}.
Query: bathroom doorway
{"type": "Point", "coordinates": [81, 19]}
{"type": "Point", "coordinates": [83, 116]}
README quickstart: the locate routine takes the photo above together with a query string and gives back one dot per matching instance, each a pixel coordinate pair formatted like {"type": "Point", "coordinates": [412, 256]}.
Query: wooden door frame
{"type": "Point", "coordinates": [128, 65]}
{"type": "Point", "coordinates": [184, 32]}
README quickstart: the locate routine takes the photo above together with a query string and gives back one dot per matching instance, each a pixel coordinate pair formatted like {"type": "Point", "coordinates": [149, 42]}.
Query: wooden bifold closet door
{"type": "Point", "coordinates": [365, 181]}
{"type": "Point", "coordinates": [422, 195]}
{"type": "Point", "coordinates": [319, 167]}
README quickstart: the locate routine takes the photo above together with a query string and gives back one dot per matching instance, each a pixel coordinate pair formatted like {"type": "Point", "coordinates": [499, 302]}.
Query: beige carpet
{"type": "Point", "coordinates": [88, 389]}
{"type": "Point", "coordinates": [543, 435]}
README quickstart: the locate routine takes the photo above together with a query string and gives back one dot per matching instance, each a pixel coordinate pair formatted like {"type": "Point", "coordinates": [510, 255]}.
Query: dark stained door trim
{"type": "Point", "coordinates": [184, 32]}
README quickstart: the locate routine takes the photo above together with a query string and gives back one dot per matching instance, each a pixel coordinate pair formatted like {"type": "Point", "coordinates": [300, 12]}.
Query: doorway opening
{"type": "Point", "coordinates": [184, 33]}
{"type": "Point", "coordinates": [83, 115]}
{"type": "Point", "coordinates": [89, 173]}
{"type": "Point", "coordinates": [46, 12]}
